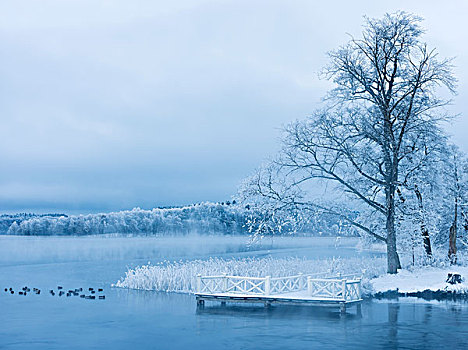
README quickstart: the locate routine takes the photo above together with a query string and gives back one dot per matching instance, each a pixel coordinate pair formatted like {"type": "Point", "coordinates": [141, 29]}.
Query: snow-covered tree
{"type": "Point", "coordinates": [371, 134]}
{"type": "Point", "coordinates": [451, 204]}
{"type": "Point", "coordinates": [202, 218]}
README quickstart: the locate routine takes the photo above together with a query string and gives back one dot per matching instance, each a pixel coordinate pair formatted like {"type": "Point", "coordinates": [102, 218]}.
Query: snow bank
{"type": "Point", "coordinates": [421, 279]}
{"type": "Point", "coordinates": [181, 276]}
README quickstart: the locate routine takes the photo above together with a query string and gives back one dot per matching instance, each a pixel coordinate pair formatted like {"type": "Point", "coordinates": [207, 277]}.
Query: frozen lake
{"type": "Point", "coordinates": [142, 319]}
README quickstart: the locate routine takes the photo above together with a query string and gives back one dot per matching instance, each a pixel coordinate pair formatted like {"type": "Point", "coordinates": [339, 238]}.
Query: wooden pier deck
{"type": "Point", "coordinates": [338, 290]}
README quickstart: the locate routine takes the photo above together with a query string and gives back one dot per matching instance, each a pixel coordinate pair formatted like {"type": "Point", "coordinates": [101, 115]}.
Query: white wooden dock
{"type": "Point", "coordinates": [313, 289]}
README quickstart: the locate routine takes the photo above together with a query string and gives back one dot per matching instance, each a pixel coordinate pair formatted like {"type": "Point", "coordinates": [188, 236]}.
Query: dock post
{"type": "Point", "coordinates": [343, 289]}
{"type": "Point", "coordinates": [225, 282]}
{"type": "Point", "coordinates": [267, 285]}
{"type": "Point", "coordinates": [342, 308]}
{"type": "Point", "coordinates": [198, 283]}
{"type": "Point", "coordinates": [200, 303]}
{"type": "Point", "coordinates": [309, 285]}
{"type": "Point", "coordinates": [359, 290]}
{"type": "Point", "coordinates": [358, 309]}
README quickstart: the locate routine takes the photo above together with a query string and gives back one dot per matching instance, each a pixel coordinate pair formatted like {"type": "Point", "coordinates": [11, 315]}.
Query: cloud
{"type": "Point", "coordinates": [114, 104]}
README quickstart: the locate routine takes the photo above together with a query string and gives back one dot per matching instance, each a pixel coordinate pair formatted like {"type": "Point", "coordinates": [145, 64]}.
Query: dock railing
{"type": "Point", "coordinates": [338, 287]}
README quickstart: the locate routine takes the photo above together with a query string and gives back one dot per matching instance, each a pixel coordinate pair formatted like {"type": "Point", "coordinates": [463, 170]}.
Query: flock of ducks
{"type": "Point", "coordinates": [60, 291]}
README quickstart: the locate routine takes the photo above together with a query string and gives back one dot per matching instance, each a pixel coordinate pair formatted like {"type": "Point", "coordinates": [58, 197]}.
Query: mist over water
{"type": "Point", "coordinates": [33, 249]}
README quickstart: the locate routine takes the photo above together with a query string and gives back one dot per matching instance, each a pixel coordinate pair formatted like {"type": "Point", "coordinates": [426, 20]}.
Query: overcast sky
{"type": "Point", "coordinates": [108, 105]}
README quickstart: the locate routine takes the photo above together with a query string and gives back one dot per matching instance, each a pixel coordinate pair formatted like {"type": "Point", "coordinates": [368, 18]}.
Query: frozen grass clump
{"type": "Point", "coordinates": [180, 276]}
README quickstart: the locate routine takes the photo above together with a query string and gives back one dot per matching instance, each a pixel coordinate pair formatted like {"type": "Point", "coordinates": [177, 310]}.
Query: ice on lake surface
{"type": "Point", "coordinates": [147, 319]}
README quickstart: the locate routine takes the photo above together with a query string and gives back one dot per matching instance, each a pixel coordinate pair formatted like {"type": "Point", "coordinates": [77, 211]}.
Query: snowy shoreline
{"type": "Point", "coordinates": [425, 282]}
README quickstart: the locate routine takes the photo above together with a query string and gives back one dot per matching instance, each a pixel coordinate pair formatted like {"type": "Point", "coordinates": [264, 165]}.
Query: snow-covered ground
{"type": "Point", "coordinates": [421, 279]}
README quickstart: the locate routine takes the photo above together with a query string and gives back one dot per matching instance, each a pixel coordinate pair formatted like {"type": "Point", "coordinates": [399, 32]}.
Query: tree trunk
{"type": "Point", "coordinates": [393, 261]}
{"type": "Point", "coordinates": [424, 230]}
{"type": "Point", "coordinates": [452, 253]}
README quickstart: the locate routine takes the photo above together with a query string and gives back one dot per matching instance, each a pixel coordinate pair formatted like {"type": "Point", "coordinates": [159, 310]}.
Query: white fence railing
{"type": "Point", "coordinates": [336, 288]}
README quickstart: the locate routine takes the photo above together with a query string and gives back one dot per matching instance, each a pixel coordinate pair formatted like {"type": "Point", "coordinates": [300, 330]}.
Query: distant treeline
{"type": "Point", "coordinates": [203, 218]}
{"type": "Point", "coordinates": [7, 220]}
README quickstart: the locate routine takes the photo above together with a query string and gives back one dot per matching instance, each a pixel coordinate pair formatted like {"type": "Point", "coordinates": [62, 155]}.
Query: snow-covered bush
{"type": "Point", "coordinates": [180, 276]}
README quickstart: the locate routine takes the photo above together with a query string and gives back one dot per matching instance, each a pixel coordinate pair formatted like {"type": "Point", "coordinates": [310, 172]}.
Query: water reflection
{"type": "Point", "coordinates": [427, 320]}
{"type": "Point", "coordinates": [279, 312]}
{"type": "Point", "coordinates": [393, 310]}
{"type": "Point", "coordinates": [386, 324]}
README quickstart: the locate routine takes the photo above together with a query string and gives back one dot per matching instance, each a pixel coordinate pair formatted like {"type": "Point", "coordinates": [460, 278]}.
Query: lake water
{"type": "Point", "coordinates": [153, 320]}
